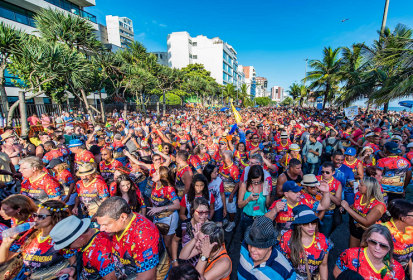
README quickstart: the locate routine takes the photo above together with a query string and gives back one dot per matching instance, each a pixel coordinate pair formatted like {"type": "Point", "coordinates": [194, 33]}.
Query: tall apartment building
{"type": "Point", "coordinates": [20, 14]}
{"type": "Point", "coordinates": [217, 56]}
{"type": "Point", "coordinates": [250, 79]}
{"type": "Point", "coordinates": [119, 30]}
{"type": "Point", "coordinates": [261, 88]}
{"type": "Point", "coordinates": [277, 94]}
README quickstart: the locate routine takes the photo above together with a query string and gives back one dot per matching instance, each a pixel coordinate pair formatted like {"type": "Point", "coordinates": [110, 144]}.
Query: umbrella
{"type": "Point", "coordinates": [224, 109]}
{"type": "Point", "coordinates": [238, 109]}
{"type": "Point", "coordinates": [408, 104]}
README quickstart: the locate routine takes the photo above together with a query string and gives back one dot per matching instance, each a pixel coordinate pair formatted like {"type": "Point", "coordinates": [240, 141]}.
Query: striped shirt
{"type": "Point", "coordinates": [275, 268]}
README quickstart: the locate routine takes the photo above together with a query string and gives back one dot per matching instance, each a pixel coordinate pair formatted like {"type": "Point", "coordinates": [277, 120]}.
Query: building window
{"type": "Point", "coordinates": [190, 42]}
{"type": "Point", "coordinates": [190, 55]}
{"type": "Point", "coordinates": [17, 14]}
{"type": "Point", "coordinates": [194, 44]}
{"type": "Point", "coordinates": [160, 56]}
{"type": "Point", "coordinates": [72, 8]}
{"type": "Point", "coordinates": [12, 99]}
{"type": "Point", "coordinates": [47, 100]}
{"type": "Point", "coordinates": [195, 57]}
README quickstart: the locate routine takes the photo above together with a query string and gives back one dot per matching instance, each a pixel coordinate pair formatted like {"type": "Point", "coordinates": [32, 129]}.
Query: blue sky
{"type": "Point", "coordinates": [273, 36]}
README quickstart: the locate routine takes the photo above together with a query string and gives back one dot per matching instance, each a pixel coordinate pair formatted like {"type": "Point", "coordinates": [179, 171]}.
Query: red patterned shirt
{"type": "Point", "coordinates": [180, 186]}
{"type": "Point", "coordinates": [251, 146]}
{"type": "Point", "coordinates": [230, 175]}
{"type": "Point", "coordinates": [354, 165]}
{"type": "Point", "coordinates": [194, 162]}
{"type": "Point", "coordinates": [373, 146]}
{"type": "Point", "coordinates": [107, 170]}
{"type": "Point", "coordinates": [333, 185]}
{"type": "Point", "coordinates": [354, 258]}
{"type": "Point", "coordinates": [284, 219]}
{"type": "Point", "coordinates": [41, 254]}
{"type": "Point", "coordinates": [282, 149]}
{"type": "Point", "coordinates": [394, 173]}
{"type": "Point", "coordinates": [53, 154]}
{"type": "Point", "coordinates": [41, 189]}
{"type": "Point", "coordinates": [98, 260]}
{"type": "Point", "coordinates": [241, 159]}
{"type": "Point", "coordinates": [409, 156]}
{"type": "Point", "coordinates": [65, 179]}
{"type": "Point", "coordinates": [315, 252]}
{"type": "Point", "coordinates": [92, 193]}
{"type": "Point", "coordinates": [361, 208]}
{"type": "Point", "coordinates": [204, 160]}
{"type": "Point", "coordinates": [212, 149]}
{"type": "Point", "coordinates": [137, 249]}
{"type": "Point", "coordinates": [83, 157]}
{"type": "Point", "coordinates": [2, 228]}
{"type": "Point", "coordinates": [163, 196]}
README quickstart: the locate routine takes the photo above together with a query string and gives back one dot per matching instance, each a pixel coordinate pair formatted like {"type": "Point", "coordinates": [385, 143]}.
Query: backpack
{"type": "Point", "coordinates": [330, 149]}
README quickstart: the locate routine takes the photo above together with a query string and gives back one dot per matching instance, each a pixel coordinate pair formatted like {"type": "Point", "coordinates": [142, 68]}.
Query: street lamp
{"type": "Point", "coordinates": [305, 74]}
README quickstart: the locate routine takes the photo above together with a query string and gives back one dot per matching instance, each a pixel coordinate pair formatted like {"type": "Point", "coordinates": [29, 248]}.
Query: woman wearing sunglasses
{"type": "Point", "coordinates": [400, 223]}
{"type": "Point", "coordinates": [253, 199]}
{"type": "Point", "coordinates": [199, 215]}
{"type": "Point", "coordinates": [305, 246]}
{"type": "Point", "coordinates": [367, 209]}
{"type": "Point", "coordinates": [374, 258]}
{"type": "Point", "coordinates": [37, 251]}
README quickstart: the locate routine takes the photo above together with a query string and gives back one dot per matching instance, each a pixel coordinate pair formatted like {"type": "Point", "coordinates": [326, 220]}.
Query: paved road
{"type": "Point", "coordinates": [340, 238]}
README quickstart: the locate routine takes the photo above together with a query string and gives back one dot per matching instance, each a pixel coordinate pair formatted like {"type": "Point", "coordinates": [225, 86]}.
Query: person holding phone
{"type": "Point", "coordinates": [253, 197]}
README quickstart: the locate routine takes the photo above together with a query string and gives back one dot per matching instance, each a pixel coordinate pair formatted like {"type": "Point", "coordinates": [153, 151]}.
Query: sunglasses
{"type": "Point", "coordinates": [256, 182]}
{"type": "Point", "coordinates": [157, 159]}
{"type": "Point", "coordinates": [382, 246]}
{"type": "Point", "coordinates": [254, 138]}
{"type": "Point", "coordinates": [41, 217]}
{"type": "Point", "coordinates": [222, 143]}
{"type": "Point", "coordinates": [202, 213]}
{"type": "Point", "coordinates": [313, 223]}
{"type": "Point", "coordinates": [325, 172]}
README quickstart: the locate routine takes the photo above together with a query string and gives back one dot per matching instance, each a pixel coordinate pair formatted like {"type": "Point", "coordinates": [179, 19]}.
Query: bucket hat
{"type": "Point", "coordinates": [392, 148]}
{"type": "Point", "coordinates": [68, 230]}
{"type": "Point", "coordinates": [303, 215]}
{"type": "Point", "coordinates": [261, 234]}
{"type": "Point", "coordinates": [75, 143]}
{"type": "Point", "coordinates": [86, 169]}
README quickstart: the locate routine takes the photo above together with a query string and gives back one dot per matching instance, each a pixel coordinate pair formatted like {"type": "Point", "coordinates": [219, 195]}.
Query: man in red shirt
{"type": "Point", "coordinates": [137, 246]}
{"type": "Point", "coordinates": [38, 184]}
{"type": "Point", "coordinates": [108, 165]}
{"type": "Point", "coordinates": [81, 154]}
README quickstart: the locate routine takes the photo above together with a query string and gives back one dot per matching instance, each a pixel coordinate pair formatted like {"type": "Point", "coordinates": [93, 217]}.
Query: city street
{"type": "Point", "coordinates": [340, 238]}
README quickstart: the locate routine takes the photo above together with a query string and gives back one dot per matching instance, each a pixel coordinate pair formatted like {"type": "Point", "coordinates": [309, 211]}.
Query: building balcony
{"type": "Point", "coordinates": [74, 9]}
{"type": "Point", "coordinates": [16, 14]}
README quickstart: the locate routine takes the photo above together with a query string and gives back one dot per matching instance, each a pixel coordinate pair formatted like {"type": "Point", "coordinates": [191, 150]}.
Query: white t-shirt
{"type": "Point", "coordinates": [215, 188]}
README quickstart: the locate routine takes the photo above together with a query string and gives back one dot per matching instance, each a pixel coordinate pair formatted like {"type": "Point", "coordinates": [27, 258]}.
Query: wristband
{"type": "Point", "coordinates": [175, 260]}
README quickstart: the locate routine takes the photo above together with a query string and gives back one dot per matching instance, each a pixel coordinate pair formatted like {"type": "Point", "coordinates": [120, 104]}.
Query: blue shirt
{"type": "Point", "coordinates": [344, 174]}
{"type": "Point", "coordinates": [276, 267]}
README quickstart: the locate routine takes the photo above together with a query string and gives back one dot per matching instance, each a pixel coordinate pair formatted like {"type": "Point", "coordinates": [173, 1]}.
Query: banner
{"type": "Point", "coordinates": [351, 112]}
{"type": "Point", "coordinates": [237, 116]}
{"type": "Point", "coordinates": [319, 102]}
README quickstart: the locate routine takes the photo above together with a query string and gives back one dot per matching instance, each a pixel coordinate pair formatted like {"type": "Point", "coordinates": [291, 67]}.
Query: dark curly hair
{"type": "Point", "coordinates": [191, 192]}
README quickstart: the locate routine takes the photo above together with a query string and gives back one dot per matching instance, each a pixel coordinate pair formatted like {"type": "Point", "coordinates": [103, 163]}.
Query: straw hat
{"type": "Point", "coordinates": [86, 169]}
{"type": "Point", "coordinates": [295, 147]}
{"type": "Point", "coordinates": [6, 135]}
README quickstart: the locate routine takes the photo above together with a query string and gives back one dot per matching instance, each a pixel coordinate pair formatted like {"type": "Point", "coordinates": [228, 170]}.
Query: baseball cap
{"type": "Point", "coordinates": [291, 186]}
{"type": "Point", "coordinates": [350, 151]}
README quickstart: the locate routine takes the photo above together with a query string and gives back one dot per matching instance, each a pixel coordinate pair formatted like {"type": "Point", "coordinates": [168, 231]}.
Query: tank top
{"type": "Point", "coordinates": [223, 254]}
{"type": "Point", "coordinates": [298, 180]}
{"type": "Point", "coordinates": [255, 208]}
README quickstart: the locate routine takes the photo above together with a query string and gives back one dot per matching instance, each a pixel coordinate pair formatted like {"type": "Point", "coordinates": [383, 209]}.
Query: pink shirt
{"type": "Point", "coordinates": [33, 120]}
{"type": "Point", "coordinates": [357, 134]}
{"type": "Point", "coordinates": [46, 121]}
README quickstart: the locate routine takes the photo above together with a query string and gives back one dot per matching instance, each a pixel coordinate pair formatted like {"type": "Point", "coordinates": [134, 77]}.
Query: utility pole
{"type": "Point", "coordinates": [164, 103]}
{"type": "Point", "coordinates": [383, 27]}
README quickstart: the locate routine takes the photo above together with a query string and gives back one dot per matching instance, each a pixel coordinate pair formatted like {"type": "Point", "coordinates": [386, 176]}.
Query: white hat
{"type": "Point", "coordinates": [410, 145]}
{"type": "Point", "coordinates": [68, 230]}
{"type": "Point", "coordinates": [310, 180]}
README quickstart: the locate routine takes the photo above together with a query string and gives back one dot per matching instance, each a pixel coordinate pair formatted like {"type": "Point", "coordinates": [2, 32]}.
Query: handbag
{"type": "Point", "coordinates": [162, 227]}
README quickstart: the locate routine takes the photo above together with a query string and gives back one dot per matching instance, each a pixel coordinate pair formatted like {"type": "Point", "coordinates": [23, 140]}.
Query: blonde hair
{"type": "Point", "coordinates": [373, 190]}
{"type": "Point", "coordinates": [61, 167]}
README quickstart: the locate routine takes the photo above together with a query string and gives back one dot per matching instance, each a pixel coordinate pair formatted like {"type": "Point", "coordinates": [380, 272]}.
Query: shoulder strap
{"type": "Point", "coordinates": [307, 268]}
{"type": "Point", "coordinates": [220, 256]}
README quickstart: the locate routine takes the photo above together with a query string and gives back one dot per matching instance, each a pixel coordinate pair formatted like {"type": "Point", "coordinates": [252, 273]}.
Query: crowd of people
{"type": "Point", "coordinates": [148, 196]}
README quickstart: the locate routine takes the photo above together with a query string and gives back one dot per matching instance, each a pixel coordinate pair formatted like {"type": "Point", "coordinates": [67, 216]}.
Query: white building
{"type": "Point", "coordinates": [119, 30]}
{"type": "Point", "coordinates": [277, 94]}
{"type": "Point", "coordinates": [218, 57]}
{"type": "Point", "coordinates": [20, 14]}
{"type": "Point", "coordinates": [162, 57]}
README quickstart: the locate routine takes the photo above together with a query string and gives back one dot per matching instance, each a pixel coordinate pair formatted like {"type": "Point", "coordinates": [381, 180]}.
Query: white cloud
{"type": "Point", "coordinates": [154, 21]}
{"type": "Point", "coordinates": [141, 35]}
{"type": "Point", "coordinates": [162, 25]}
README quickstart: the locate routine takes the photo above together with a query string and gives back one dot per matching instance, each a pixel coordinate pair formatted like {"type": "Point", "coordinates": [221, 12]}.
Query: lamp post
{"type": "Point", "coordinates": [305, 73]}
{"type": "Point", "coordinates": [383, 26]}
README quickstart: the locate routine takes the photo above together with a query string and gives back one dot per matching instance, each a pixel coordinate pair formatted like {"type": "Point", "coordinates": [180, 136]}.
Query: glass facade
{"type": "Point", "coordinates": [72, 8]}
{"type": "Point", "coordinates": [17, 14]}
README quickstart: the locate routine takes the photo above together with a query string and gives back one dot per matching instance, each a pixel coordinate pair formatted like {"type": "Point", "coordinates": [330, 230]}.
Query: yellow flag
{"type": "Point", "coordinates": [236, 114]}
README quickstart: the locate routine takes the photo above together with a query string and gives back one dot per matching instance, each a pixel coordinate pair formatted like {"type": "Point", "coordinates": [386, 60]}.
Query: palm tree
{"type": "Point", "coordinates": [304, 94]}
{"type": "Point", "coordinates": [325, 73]}
{"type": "Point", "coordinates": [10, 39]}
{"type": "Point", "coordinates": [244, 96]}
{"type": "Point", "coordinates": [229, 92]}
{"type": "Point", "coordinates": [294, 91]}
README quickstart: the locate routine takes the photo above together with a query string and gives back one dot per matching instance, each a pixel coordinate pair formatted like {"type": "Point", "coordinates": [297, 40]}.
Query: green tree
{"type": "Point", "coordinates": [262, 101]}
{"type": "Point", "coordinates": [171, 99]}
{"type": "Point", "coordinates": [294, 91]}
{"type": "Point", "coordinates": [325, 74]}
{"type": "Point", "coordinates": [10, 39]}
{"type": "Point", "coordinates": [287, 102]}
